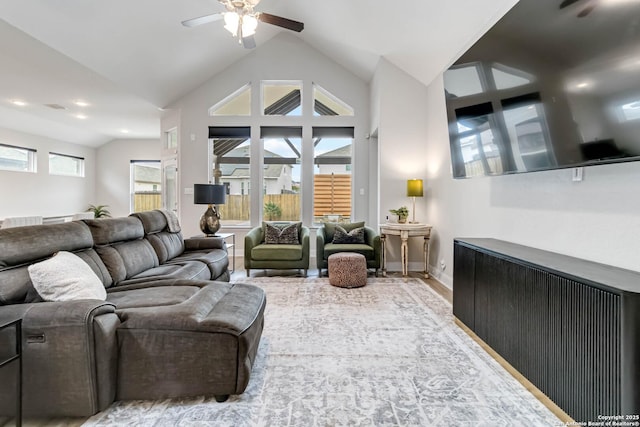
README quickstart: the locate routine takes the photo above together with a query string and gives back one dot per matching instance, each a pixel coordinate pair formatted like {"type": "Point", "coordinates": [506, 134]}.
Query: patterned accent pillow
{"type": "Point", "coordinates": [281, 234]}
{"type": "Point", "coordinates": [330, 228]}
{"type": "Point", "coordinates": [343, 236]}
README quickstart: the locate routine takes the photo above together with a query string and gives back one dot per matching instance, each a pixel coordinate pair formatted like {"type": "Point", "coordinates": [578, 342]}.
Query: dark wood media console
{"type": "Point", "coordinates": [570, 326]}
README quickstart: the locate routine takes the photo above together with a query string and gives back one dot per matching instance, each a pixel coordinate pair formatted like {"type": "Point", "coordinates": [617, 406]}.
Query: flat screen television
{"type": "Point", "coordinates": [553, 84]}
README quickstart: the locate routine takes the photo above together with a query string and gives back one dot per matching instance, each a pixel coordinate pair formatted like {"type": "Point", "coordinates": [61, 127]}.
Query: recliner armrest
{"type": "Point", "coordinates": [65, 376]}
{"type": "Point", "coordinates": [197, 243]}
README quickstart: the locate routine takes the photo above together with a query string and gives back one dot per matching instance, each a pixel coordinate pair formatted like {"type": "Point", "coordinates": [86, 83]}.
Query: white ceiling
{"type": "Point", "coordinates": [130, 58]}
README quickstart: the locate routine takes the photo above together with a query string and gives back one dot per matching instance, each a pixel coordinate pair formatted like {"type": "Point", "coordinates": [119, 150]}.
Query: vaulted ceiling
{"type": "Point", "coordinates": [129, 59]}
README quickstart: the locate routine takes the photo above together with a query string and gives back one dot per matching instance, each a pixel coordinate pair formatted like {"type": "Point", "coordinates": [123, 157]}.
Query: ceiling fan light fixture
{"type": "Point", "coordinates": [231, 22]}
{"type": "Point", "coordinates": [249, 25]}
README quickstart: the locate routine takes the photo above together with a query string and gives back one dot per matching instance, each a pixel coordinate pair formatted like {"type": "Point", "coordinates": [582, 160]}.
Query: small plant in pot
{"type": "Point", "coordinates": [402, 212]}
{"type": "Point", "coordinates": [99, 211]}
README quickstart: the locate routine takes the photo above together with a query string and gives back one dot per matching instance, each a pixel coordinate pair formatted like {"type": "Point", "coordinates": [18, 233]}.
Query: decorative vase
{"type": "Point", "coordinates": [210, 221]}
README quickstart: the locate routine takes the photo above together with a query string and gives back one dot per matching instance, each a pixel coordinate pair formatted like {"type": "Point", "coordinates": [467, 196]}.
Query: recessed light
{"type": "Point", "coordinates": [124, 130]}
{"type": "Point", "coordinates": [582, 85]}
{"type": "Point", "coordinates": [81, 103]}
{"type": "Point", "coordinates": [18, 102]}
{"type": "Point", "coordinates": [80, 116]}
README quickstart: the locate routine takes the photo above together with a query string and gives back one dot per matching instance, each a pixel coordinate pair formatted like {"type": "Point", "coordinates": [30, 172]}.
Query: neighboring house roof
{"type": "Point", "coordinates": [242, 170]}
{"type": "Point", "coordinates": [344, 151]}
{"type": "Point", "coordinates": [147, 174]}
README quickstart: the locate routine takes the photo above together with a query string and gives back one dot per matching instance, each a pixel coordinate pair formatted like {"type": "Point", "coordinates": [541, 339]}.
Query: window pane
{"type": "Point", "coordinates": [171, 186]}
{"type": "Point", "coordinates": [332, 179]}
{"type": "Point", "coordinates": [281, 185]}
{"type": "Point", "coordinates": [526, 131]}
{"type": "Point", "coordinates": [327, 104]}
{"type": "Point", "coordinates": [506, 78]}
{"type": "Point", "coordinates": [147, 186]}
{"type": "Point", "coordinates": [172, 139]}
{"type": "Point", "coordinates": [631, 111]}
{"type": "Point", "coordinates": [231, 165]}
{"type": "Point", "coordinates": [17, 159]}
{"type": "Point", "coordinates": [282, 99]}
{"type": "Point", "coordinates": [236, 104]}
{"type": "Point", "coordinates": [60, 164]}
{"type": "Point", "coordinates": [462, 81]}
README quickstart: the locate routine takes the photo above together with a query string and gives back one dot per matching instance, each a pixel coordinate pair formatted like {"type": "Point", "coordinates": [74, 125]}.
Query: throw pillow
{"type": "Point", "coordinates": [330, 229]}
{"type": "Point", "coordinates": [342, 236]}
{"type": "Point", "coordinates": [66, 277]}
{"type": "Point", "coordinates": [281, 234]}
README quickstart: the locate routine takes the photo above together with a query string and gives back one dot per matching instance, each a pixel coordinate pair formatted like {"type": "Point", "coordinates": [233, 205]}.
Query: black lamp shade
{"type": "Point", "coordinates": [209, 194]}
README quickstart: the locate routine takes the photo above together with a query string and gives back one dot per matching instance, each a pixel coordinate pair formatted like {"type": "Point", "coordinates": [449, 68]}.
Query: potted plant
{"type": "Point", "coordinates": [402, 212]}
{"type": "Point", "coordinates": [99, 211]}
{"type": "Point", "coordinates": [272, 211]}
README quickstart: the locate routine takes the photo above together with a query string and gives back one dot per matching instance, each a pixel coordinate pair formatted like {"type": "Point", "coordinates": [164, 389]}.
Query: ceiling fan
{"type": "Point", "coordinates": [241, 20]}
{"type": "Point", "coordinates": [590, 5]}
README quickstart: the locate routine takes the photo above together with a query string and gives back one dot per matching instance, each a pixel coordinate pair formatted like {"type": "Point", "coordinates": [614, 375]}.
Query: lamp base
{"type": "Point", "coordinates": [210, 221]}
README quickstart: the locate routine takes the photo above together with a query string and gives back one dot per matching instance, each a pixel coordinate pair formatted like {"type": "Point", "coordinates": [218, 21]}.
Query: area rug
{"type": "Point", "coordinates": [387, 354]}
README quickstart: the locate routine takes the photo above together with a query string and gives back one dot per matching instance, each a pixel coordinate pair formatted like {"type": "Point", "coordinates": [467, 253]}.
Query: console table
{"type": "Point", "coordinates": [405, 231]}
{"type": "Point", "coordinates": [15, 356]}
{"type": "Point", "coordinates": [568, 325]}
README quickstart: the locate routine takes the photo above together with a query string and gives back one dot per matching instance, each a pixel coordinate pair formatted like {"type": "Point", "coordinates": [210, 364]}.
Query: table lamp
{"type": "Point", "coordinates": [414, 189]}
{"type": "Point", "coordinates": [212, 195]}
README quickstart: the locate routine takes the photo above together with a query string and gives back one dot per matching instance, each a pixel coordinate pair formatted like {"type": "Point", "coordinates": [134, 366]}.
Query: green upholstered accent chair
{"type": "Point", "coordinates": [371, 248]}
{"type": "Point", "coordinates": [262, 255]}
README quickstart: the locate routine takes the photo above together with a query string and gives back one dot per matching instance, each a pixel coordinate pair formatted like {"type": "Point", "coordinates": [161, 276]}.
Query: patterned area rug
{"type": "Point", "coordinates": [387, 354]}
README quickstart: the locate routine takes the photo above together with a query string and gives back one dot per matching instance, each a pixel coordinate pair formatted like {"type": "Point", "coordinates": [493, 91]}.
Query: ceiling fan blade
{"type": "Point", "coordinates": [202, 20]}
{"type": "Point", "coordinates": [248, 42]}
{"type": "Point", "coordinates": [289, 24]}
{"type": "Point", "coordinates": [566, 3]}
{"type": "Point", "coordinates": [587, 10]}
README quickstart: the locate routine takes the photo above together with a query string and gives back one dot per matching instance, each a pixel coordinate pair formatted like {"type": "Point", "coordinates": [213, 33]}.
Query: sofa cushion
{"type": "Point", "coordinates": [112, 230]}
{"type": "Point", "coordinates": [22, 246]}
{"type": "Point", "coordinates": [217, 260]}
{"type": "Point", "coordinates": [152, 296]}
{"type": "Point", "coordinates": [266, 252]}
{"type": "Point", "coordinates": [330, 229]}
{"type": "Point", "coordinates": [127, 259]}
{"type": "Point", "coordinates": [191, 270]}
{"type": "Point", "coordinates": [332, 248]}
{"type": "Point", "coordinates": [36, 242]}
{"type": "Point", "coordinates": [167, 244]}
{"type": "Point", "coordinates": [65, 277]}
{"type": "Point", "coordinates": [204, 345]}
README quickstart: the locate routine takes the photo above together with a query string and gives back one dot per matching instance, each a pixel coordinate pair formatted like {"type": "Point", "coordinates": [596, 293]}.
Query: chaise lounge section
{"type": "Point", "coordinates": [166, 329]}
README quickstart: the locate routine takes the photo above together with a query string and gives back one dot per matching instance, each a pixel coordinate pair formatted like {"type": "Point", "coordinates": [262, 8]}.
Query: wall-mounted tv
{"type": "Point", "coordinates": [553, 84]}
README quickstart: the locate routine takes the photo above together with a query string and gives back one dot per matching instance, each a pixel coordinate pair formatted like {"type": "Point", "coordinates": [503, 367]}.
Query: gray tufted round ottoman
{"type": "Point", "coordinates": [347, 270]}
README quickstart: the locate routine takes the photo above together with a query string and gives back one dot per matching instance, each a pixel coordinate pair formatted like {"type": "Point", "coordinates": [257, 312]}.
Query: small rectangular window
{"type": "Point", "coordinates": [19, 159]}
{"type": "Point", "coordinates": [146, 185]}
{"type": "Point", "coordinates": [63, 164]}
{"type": "Point", "coordinates": [171, 141]}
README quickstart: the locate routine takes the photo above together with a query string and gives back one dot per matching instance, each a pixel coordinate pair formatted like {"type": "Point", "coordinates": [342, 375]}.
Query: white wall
{"type": "Point", "coordinates": [113, 171]}
{"type": "Point", "coordinates": [597, 219]}
{"type": "Point", "coordinates": [27, 194]}
{"type": "Point", "coordinates": [400, 108]}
